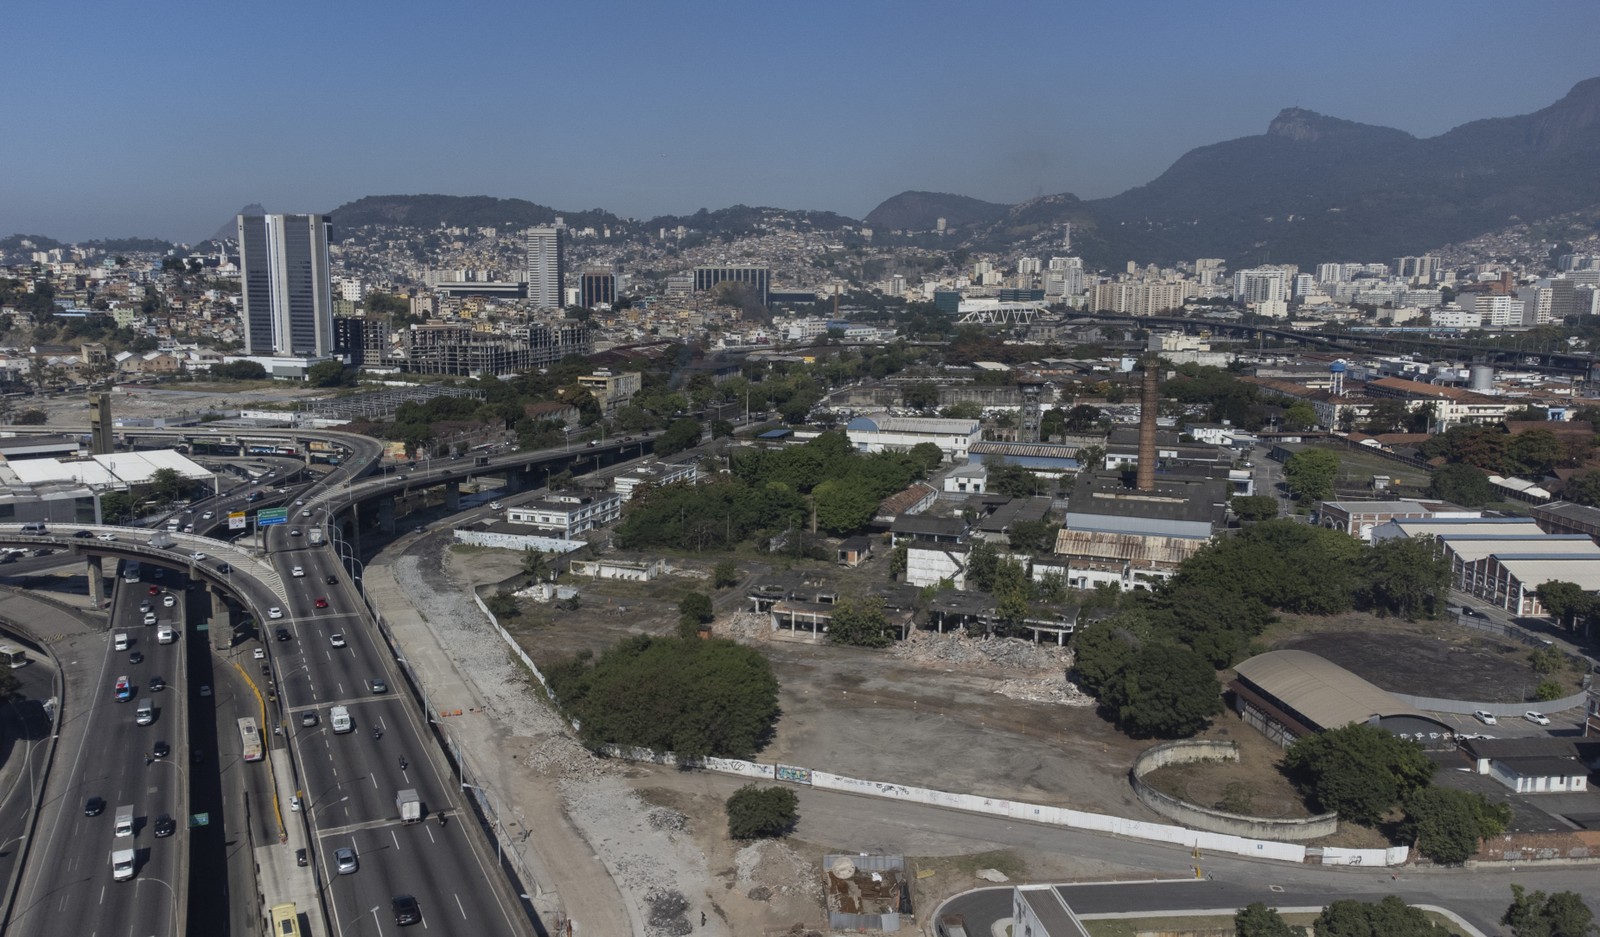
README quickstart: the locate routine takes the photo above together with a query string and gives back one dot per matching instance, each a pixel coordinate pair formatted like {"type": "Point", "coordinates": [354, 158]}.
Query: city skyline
{"type": "Point", "coordinates": [837, 111]}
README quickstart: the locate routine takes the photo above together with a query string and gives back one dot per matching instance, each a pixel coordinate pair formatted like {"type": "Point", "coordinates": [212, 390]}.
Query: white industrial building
{"type": "Point", "coordinates": [899, 434]}
{"type": "Point", "coordinates": [566, 514]}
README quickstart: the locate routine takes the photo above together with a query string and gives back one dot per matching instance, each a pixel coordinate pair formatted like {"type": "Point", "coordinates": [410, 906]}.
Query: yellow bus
{"type": "Point", "coordinates": [285, 921]}
{"type": "Point", "coordinates": [250, 739]}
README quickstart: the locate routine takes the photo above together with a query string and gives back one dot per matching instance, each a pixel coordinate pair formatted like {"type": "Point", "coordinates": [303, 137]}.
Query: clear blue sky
{"type": "Point", "coordinates": [164, 118]}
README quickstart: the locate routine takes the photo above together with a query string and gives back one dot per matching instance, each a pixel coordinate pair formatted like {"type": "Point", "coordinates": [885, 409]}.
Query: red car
{"type": "Point", "coordinates": [321, 602]}
{"type": "Point", "coordinates": [155, 590]}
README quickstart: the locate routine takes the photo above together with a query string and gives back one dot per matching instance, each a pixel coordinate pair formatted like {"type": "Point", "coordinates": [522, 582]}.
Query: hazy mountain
{"type": "Point", "coordinates": [921, 211]}
{"type": "Point", "coordinates": [230, 228]}
{"type": "Point", "coordinates": [465, 211]}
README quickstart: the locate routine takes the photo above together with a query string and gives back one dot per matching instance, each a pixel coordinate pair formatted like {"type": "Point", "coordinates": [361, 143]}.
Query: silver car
{"type": "Point", "coordinates": [344, 859]}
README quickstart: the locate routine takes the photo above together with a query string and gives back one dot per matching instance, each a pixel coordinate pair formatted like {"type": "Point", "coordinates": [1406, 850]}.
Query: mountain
{"type": "Point", "coordinates": [1317, 188]}
{"type": "Point", "coordinates": [921, 211]}
{"type": "Point", "coordinates": [743, 219]}
{"type": "Point", "coordinates": [230, 228]}
{"type": "Point", "coordinates": [464, 211]}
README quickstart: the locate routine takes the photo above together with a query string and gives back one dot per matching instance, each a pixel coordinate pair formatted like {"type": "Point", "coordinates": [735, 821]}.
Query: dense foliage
{"type": "Point", "coordinates": [696, 698]}
{"type": "Point", "coordinates": [860, 622]}
{"type": "Point", "coordinates": [1460, 483]}
{"type": "Point", "coordinates": [1446, 824]}
{"type": "Point", "coordinates": [1258, 920]}
{"type": "Point", "coordinates": [1359, 770]}
{"type": "Point", "coordinates": [1165, 691]}
{"type": "Point", "coordinates": [760, 812]}
{"type": "Point", "coordinates": [1310, 474]}
{"type": "Point", "coordinates": [1563, 914]}
{"type": "Point", "coordinates": [1390, 917]}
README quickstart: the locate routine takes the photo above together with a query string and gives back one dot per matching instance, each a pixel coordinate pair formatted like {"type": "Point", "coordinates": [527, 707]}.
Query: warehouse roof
{"type": "Point", "coordinates": [1321, 691]}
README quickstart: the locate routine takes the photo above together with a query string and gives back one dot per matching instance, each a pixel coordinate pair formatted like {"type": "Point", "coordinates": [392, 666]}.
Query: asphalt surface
{"type": "Point", "coordinates": [24, 751]}
{"type": "Point", "coordinates": [67, 886]}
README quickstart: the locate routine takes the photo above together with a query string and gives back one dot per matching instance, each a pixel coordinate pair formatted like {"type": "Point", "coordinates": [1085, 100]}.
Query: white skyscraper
{"type": "Point", "coordinates": [284, 284]}
{"type": "Point", "coordinates": [1261, 285]}
{"type": "Point", "coordinates": [546, 262]}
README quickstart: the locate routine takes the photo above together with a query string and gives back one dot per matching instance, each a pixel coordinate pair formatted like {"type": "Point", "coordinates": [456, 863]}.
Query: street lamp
{"type": "Point", "coordinates": [490, 805]}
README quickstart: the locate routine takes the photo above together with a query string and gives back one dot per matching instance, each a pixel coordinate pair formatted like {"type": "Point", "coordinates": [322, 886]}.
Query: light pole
{"type": "Point", "coordinates": [489, 805]}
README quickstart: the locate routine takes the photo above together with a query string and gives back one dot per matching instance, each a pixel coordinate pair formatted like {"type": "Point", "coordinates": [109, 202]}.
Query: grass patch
{"type": "Point", "coordinates": [1003, 861]}
{"type": "Point", "coordinates": [469, 549]}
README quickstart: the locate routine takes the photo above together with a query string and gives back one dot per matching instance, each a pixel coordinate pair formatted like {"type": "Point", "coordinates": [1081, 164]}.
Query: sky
{"type": "Point", "coordinates": [163, 119]}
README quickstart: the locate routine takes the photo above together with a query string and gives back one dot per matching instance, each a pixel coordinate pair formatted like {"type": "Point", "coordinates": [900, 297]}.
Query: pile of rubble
{"type": "Point", "coordinates": [1050, 690]}
{"type": "Point", "coordinates": [956, 647]}
{"type": "Point", "coordinates": [769, 868]}
{"type": "Point", "coordinates": [743, 626]}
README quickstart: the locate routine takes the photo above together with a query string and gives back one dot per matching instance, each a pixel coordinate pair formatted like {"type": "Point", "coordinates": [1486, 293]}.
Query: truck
{"type": "Point", "coordinates": [124, 825]}
{"type": "Point", "coordinates": [163, 540]}
{"type": "Point", "coordinates": [166, 634]}
{"type": "Point", "coordinates": [316, 536]}
{"type": "Point", "coordinates": [409, 805]}
{"type": "Point", "coordinates": [480, 460]}
{"type": "Point", "coordinates": [122, 864]}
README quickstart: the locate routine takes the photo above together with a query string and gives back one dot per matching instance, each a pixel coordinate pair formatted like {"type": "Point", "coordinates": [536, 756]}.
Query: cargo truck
{"type": "Point", "coordinates": [316, 536]}
{"type": "Point", "coordinates": [410, 806]}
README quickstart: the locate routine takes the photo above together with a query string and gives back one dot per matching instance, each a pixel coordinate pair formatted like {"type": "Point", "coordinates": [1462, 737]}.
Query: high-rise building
{"type": "Point", "coordinates": [1209, 269]}
{"type": "Point", "coordinates": [597, 286]}
{"type": "Point", "coordinates": [546, 266]}
{"type": "Point", "coordinates": [284, 282]}
{"type": "Point", "coordinates": [1261, 285]}
{"type": "Point", "coordinates": [706, 278]}
{"type": "Point", "coordinates": [1424, 269]}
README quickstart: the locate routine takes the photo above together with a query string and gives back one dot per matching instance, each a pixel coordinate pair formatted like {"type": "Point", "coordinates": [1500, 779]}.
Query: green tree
{"type": "Point", "coordinates": [1033, 536]}
{"type": "Point", "coordinates": [694, 610]}
{"type": "Point", "coordinates": [982, 562]}
{"type": "Point", "coordinates": [1164, 691]}
{"type": "Point", "coordinates": [1310, 474]}
{"type": "Point", "coordinates": [923, 395]}
{"type": "Point", "coordinates": [1535, 453]}
{"type": "Point", "coordinates": [1299, 415]}
{"type": "Point", "coordinates": [721, 429]}
{"type": "Point", "coordinates": [1584, 489]}
{"type": "Point", "coordinates": [1386, 416]}
{"type": "Point", "coordinates": [1082, 418]}
{"type": "Point", "coordinates": [1359, 770]}
{"type": "Point", "coordinates": [1103, 649]}
{"type": "Point", "coordinates": [1563, 914]}
{"type": "Point", "coordinates": [1446, 824]}
{"type": "Point", "coordinates": [843, 507]}
{"type": "Point", "coordinates": [1461, 484]}
{"type": "Point", "coordinates": [1013, 481]}
{"type": "Point", "coordinates": [32, 416]}
{"type": "Point", "coordinates": [762, 812]}
{"type": "Point", "coordinates": [329, 374]}
{"type": "Point", "coordinates": [1390, 917]}
{"type": "Point", "coordinates": [928, 454]}
{"type": "Point", "coordinates": [10, 686]}
{"type": "Point", "coordinates": [503, 604]}
{"type": "Point", "coordinates": [725, 574]}
{"type": "Point", "coordinates": [1566, 602]}
{"type": "Point", "coordinates": [1258, 920]}
{"type": "Point", "coordinates": [1405, 575]}
{"type": "Point", "coordinates": [239, 371]}
{"type": "Point", "coordinates": [678, 436]}
{"type": "Point", "coordinates": [117, 507]}
{"type": "Point", "coordinates": [168, 484]}
{"type": "Point", "coordinates": [1254, 507]}
{"type": "Point", "coordinates": [860, 623]}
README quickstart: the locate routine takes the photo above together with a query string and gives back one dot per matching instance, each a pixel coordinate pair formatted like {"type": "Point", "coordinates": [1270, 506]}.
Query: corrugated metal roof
{"type": "Point", "coordinates": [1320, 690]}
{"type": "Point", "coordinates": [1127, 548]}
{"type": "Point", "coordinates": [1534, 570]}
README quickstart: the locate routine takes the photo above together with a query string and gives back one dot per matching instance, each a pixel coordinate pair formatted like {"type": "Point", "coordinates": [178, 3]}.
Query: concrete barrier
{"type": "Point", "coordinates": [1206, 818]}
{"type": "Point", "coordinates": [1467, 708]}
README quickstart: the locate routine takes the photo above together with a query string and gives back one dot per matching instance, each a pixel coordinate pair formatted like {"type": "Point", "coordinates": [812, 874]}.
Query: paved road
{"type": "Point", "coordinates": [24, 753]}
{"type": "Point", "coordinates": [67, 886]}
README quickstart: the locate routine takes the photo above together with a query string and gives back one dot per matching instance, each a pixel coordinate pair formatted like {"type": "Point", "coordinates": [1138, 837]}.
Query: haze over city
{"type": "Point", "coordinates": [164, 120]}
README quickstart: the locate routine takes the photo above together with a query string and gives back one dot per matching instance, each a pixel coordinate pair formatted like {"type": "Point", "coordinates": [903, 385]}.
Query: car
{"type": "Point", "coordinates": [266, 671]}
{"type": "Point", "coordinates": [1537, 718]}
{"type": "Point", "coordinates": [332, 580]}
{"type": "Point", "coordinates": [155, 590]}
{"type": "Point", "coordinates": [300, 858]}
{"type": "Point", "coordinates": [282, 634]}
{"type": "Point", "coordinates": [136, 658]}
{"type": "Point", "coordinates": [294, 531]}
{"type": "Point", "coordinates": [167, 601]}
{"type": "Point", "coordinates": [592, 444]}
{"type": "Point", "coordinates": [107, 537]}
{"type": "Point", "coordinates": [82, 534]}
{"type": "Point", "coordinates": [259, 653]}
{"type": "Point", "coordinates": [157, 684]}
{"type": "Point", "coordinates": [1486, 717]}
{"type": "Point", "coordinates": [299, 501]}
{"type": "Point", "coordinates": [197, 556]}
{"type": "Point", "coordinates": [1472, 612]}
{"type": "Point", "coordinates": [294, 803]}
{"type": "Point", "coordinates": [494, 505]}
{"type": "Point", "coordinates": [161, 750]}
{"type": "Point", "coordinates": [207, 516]}
{"type": "Point", "coordinates": [145, 607]}
{"type": "Point", "coordinates": [344, 859]}
{"type": "Point", "coordinates": [308, 718]}
{"type": "Point", "coordinates": [224, 568]}
{"type": "Point", "coordinates": [297, 572]}
{"type": "Point", "coordinates": [306, 513]}
{"type": "Point", "coordinates": [94, 806]}
{"type": "Point", "coordinates": [336, 639]}
{"type": "Point", "coordinates": [274, 613]}
{"type": "Point", "coordinates": [205, 689]}
{"type": "Point", "coordinates": [405, 909]}
{"type": "Point", "coordinates": [377, 686]}
{"type": "Point", "coordinates": [416, 530]}
{"type": "Point", "coordinates": [149, 618]}
{"type": "Point", "coordinates": [321, 602]}
{"type": "Point", "coordinates": [165, 825]}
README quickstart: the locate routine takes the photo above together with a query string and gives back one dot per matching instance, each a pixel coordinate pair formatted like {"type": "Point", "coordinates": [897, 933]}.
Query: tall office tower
{"type": "Point", "coordinates": [597, 287]}
{"type": "Point", "coordinates": [283, 275]}
{"type": "Point", "coordinates": [1424, 269]}
{"type": "Point", "coordinates": [706, 279]}
{"type": "Point", "coordinates": [546, 264]}
{"type": "Point", "coordinates": [1330, 273]}
{"type": "Point", "coordinates": [1261, 285]}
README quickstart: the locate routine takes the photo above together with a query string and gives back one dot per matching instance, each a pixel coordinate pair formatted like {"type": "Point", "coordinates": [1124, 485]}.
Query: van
{"type": "Point", "coordinates": [125, 820]}
{"type": "Point", "coordinates": [166, 634]}
{"type": "Point", "coordinates": [339, 716]}
{"type": "Point", "coordinates": [34, 527]}
{"type": "Point", "coordinates": [121, 641]}
{"type": "Point", "coordinates": [146, 712]}
{"type": "Point", "coordinates": [122, 864]}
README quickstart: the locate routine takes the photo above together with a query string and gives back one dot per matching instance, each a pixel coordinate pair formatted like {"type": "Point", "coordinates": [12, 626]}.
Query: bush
{"type": "Point", "coordinates": [761, 812]}
{"type": "Point", "coordinates": [1359, 770]}
{"type": "Point", "coordinates": [1447, 824]}
{"type": "Point", "coordinates": [1550, 690]}
{"type": "Point", "coordinates": [725, 574]}
{"type": "Point", "coordinates": [694, 610]}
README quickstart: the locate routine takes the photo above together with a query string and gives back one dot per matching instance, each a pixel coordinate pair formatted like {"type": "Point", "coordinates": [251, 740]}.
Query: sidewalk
{"type": "Point", "coordinates": [568, 878]}
{"type": "Point", "coordinates": [279, 878]}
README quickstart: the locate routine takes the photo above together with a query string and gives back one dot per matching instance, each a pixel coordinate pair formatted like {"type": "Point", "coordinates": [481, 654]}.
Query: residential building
{"type": "Point", "coordinates": [546, 269]}
{"type": "Point", "coordinates": [285, 287]}
{"type": "Point", "coordinates": [566, 514]}
{"type": "Point", "coordinates": [1424, 269]}
{"type": "Point", "coordinates": [612, 390]}
{"type": "Point", "coordinates": [655, 475]}
{"type": "Point", "coordinates": [1261, 284]}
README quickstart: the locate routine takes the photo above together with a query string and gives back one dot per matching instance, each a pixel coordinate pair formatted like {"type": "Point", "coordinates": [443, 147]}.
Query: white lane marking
{"type": "Point", "coordinates": [396, 840]}
{"type": "Point", "coordinates": [459, 906]}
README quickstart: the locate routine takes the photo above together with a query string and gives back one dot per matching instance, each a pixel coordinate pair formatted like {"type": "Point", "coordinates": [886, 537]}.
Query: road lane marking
{"type": "Point", "coordinates": [459, 907]}
{"type": "Point", "coordinates": [396, 840]}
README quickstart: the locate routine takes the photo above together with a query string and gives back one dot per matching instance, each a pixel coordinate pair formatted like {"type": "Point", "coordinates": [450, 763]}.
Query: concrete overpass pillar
{"type": "Point", "coordinates": [386, 514]}
{"type": "Point", "coordinates": [517, 479]}
{"type": "Point", "coordinates": [452, 496]}
{"type": "Point", "coordinates": [221, 623]}
{"type": "Point", "coordinates": [97, 582]}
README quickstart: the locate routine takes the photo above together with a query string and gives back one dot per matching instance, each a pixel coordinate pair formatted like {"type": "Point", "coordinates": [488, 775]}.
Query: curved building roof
{"type": "Point", "coordinates": [1320, 691]}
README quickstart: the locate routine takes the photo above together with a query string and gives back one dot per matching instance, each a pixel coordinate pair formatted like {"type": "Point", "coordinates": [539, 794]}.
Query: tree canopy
{"type": "Point", "coordinates": [1258, 920]}
{"type": "Point", "coordinates": [678, 436]}
{"type": "Point", "coordinates": [1359, 770]}
{"type": "Point", "coordinates": [1390, 917]}
{"type": "Point", "coordinates": [1460, 483]}
{"type": "Point", "coordinates": [1164, 691]}
{"type": "Point", "coordinates": [1407, 575]}
{"type": "Point", "coordinates": [1447, 824]}
{"type": "Point", "coordinates": [1310, 474]}
{"type": "Point", "coordinates": [756, 812]}
{"type": "Point", "coordinates": [1563, 914]}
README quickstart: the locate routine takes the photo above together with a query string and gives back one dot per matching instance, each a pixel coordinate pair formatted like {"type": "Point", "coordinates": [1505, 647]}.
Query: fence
{"type": "Point", "coordinates": [1217, 821]}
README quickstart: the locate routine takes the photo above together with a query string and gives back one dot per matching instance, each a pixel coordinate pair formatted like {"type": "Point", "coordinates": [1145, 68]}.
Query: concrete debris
{"type": "Point", "coordinates": [992, 875]}
{"type": "Point", "coordinates": [778, 869]}
{"type": "Point", "coordinates": [957, 647]}
{"type": "Point", "coordinates": [667, 820]}
{"type": "Point", "coordinates": [669, 913]}
{"type": "Point", "coordinates": [1052, 690]}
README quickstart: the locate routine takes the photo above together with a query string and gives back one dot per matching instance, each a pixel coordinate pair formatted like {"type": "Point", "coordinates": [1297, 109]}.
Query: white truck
{"type": "Point", "coordinates": [122, 864]}
{"type": "Point", "coordinates": [166, 634]}
{"type": "Point", "coordinates": [124, 825]}
{"type": "Point", "coordinates": [410, 806]}
{"type": "Point", "coordinates": [316, 536]}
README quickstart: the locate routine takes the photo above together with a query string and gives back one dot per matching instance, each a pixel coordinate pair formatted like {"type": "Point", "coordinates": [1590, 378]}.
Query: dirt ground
{"type": "Point", "coordinates": [134, 400]}
{"type": "Point", "coordinates": [1262, 790]}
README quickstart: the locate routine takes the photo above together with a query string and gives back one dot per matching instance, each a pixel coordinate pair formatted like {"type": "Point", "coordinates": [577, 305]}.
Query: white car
{"type": "Point", "coordinates": [297, 572]}
{"type": "Point", "coordinates": [197, 556]}
{"type": "Point", "coordinates": [107, 537]}
{"type": "Point", "coordinates": [149, 618]}
{"type": "Point", "coordinates": [1537, 718]}
{"type": "Point", "coordinates": [207, 516]}
{"type": "Point", "coordinates": [274, 613]}
{"type": "Point", "coordinates": [167, 601]}
{"type": "Point", "coordinates": [259, 653]}
{"type": "Point", "coordinates": [1486, 717]}
{"type": "Point", "coordinates": [494, 505]}
{"type": "Point", "coordinates": [336, 639]}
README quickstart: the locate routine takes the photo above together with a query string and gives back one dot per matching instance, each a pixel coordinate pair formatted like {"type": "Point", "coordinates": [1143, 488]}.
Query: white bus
{"type": "Point", "coordinates": [13, 657]}
{"type": "Point", "coordinates": [250, 739]}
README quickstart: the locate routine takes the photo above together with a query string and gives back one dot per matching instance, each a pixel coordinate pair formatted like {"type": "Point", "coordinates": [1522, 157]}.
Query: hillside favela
{"type": "Point", "coordinates": [1212, 553]}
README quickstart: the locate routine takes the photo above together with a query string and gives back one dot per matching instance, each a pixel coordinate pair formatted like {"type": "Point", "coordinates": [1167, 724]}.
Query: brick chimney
{"type": "Point", "coordinates": [1148, 403]}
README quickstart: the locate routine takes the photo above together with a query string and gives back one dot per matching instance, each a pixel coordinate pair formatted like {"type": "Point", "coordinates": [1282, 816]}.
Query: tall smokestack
{"type": "Point", "coordinates": [1148, 402]}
